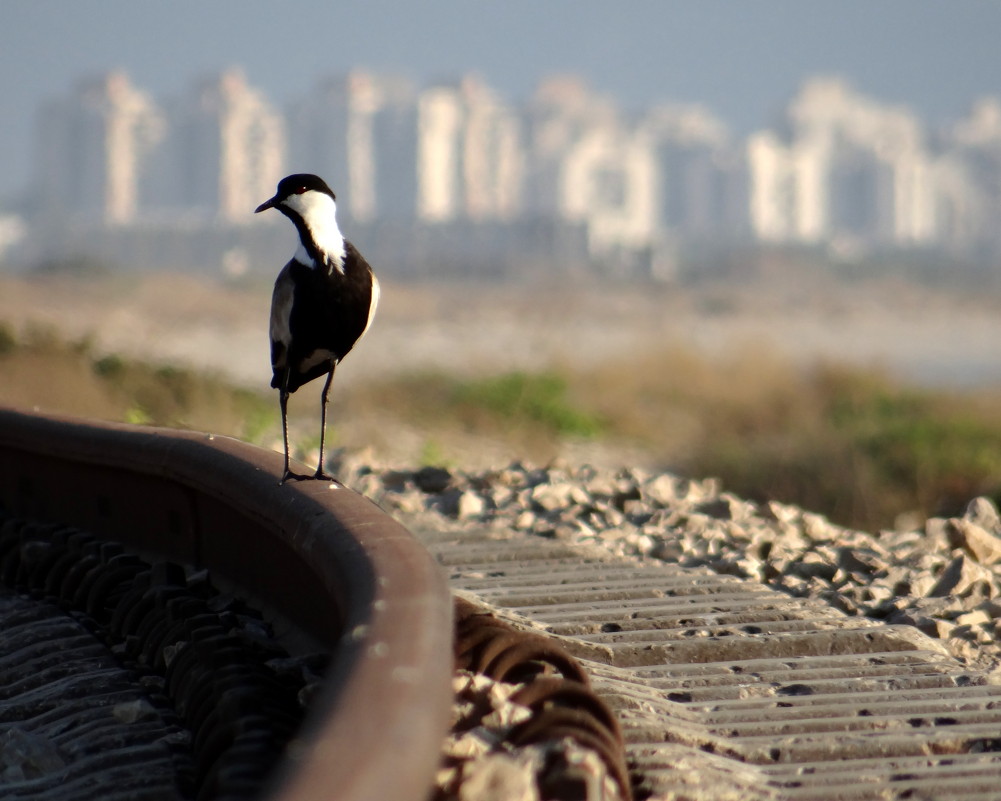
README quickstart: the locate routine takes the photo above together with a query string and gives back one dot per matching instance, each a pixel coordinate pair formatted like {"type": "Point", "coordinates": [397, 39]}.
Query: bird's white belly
{"type": "Point", "coordinates": [318, 356]}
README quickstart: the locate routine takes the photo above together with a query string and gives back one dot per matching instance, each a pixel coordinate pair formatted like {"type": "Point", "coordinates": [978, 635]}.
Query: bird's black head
{"type": "Point", "coordinates": [296, 185]}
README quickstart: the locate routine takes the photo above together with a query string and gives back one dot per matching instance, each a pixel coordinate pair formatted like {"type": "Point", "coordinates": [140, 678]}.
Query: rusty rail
{"type": "Point", "coordinates": [324, 557]}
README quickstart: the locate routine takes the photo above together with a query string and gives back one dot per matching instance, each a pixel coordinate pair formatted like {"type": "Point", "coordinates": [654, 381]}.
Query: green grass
{"type": "Point", "coordinates": [521, 408]}
{"type": "Point", "coordinates": [532, 399]}
{"type": "Point", "coordinates": [943, 447]}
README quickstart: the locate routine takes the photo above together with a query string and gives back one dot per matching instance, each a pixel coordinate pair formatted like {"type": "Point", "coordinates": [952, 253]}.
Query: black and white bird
{"type": "Point", "coordinates": [324, 299]}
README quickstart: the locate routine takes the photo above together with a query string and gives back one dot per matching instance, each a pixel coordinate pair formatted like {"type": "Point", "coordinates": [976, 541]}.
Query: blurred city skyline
{"type": "Point", "coordinates": [741, 61]}
{"type": "Point", "coordinates": [566, 179]}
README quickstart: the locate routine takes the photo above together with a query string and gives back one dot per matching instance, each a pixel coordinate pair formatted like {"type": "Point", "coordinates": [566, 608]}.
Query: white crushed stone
{"type": "Point", "coordinates": [944, 578]}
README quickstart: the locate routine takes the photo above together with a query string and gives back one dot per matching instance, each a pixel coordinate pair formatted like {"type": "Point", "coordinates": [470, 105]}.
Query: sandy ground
{"type": "Point", "coordinates": [930, 337]}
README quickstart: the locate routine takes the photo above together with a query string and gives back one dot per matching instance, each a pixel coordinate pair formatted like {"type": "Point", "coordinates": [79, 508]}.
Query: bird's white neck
{"type": "Point", "coordinates": [319, 216]}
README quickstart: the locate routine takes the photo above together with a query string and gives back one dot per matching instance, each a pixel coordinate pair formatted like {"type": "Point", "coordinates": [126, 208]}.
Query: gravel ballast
{"type": "Point", "coordinates": [944, 578]}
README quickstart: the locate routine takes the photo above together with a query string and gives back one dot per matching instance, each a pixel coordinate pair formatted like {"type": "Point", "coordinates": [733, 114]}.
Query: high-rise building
{"type": "Point", "coordinates": [970, 200]}
{"type": "Point", "coordinates": [558, 117]}
{"type": "Point", "coordinates": [568, 173]}
{"type": "Point", "coordinates": [226, 149]}
{"type": "Point", "coordinates": [844, 168]}
{"type": "Point", "coordinates": [772, 197]}
{"type": "Point", "coordinates": [700, 178]}
{"type": "Point", "coordinates": [588, 165]}
{"type": "Point", "coordinates": [469, 154]}
{"type": "Point", "coordinates": [359, 131]}
{"type": "Point", "coordinates": [92, 151]}
{"type": "Point", "coordinates": [608, 182]}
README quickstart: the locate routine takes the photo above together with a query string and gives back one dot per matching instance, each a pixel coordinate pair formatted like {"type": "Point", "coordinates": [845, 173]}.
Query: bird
{"type": "Point", "coordinates": [323, 302]}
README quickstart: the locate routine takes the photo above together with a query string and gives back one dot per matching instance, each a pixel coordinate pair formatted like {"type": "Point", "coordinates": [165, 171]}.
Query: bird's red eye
{"type": "Point", "coordinates": [300, 189]}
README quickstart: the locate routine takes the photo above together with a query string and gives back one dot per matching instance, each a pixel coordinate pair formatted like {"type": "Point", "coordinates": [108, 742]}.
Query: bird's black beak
{"type": "Point", "coordinates": [267, 204]}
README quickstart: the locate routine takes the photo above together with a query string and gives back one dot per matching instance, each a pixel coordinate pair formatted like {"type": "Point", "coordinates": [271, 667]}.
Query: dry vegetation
{"type": "Point", "coordinates": [42, 371]}
{"type": "Point", "coordinates": [852, 443]}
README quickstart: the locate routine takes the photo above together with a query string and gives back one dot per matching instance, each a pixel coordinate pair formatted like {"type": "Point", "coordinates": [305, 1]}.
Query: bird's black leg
{"type": "Point", "coordinates": [283, 402]}
{"type": "Point", "coordinates": [323, 426]}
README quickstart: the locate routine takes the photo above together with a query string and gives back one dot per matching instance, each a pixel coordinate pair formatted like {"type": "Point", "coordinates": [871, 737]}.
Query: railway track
{"type": "Point", "coordinates": [722, 688]}
{"type": "Point", "coordinates": [727, 689]}
{"type": "Point", "coordinates": [327, 569]}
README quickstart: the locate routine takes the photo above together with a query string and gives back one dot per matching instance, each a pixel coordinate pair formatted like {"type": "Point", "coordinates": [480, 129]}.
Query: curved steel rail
{"type": "Point", "coordinates": [321, 555]}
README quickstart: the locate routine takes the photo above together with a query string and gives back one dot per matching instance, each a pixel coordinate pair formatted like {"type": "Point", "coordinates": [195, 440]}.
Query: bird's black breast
{"type": "Point", "coordinates": [329, 312]}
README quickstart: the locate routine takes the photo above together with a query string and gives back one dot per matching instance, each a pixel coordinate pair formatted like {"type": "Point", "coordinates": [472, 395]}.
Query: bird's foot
{"type": "Point", "coordinates": [290, 476]}
{"type": "Point", "coordinates": [321, 475]}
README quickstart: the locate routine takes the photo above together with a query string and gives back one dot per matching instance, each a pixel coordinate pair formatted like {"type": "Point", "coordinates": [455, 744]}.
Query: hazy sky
{"type": "Point", "coordinates": [742, 58]}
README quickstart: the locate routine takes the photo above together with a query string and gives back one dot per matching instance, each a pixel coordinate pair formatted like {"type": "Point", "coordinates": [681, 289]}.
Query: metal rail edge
{"type": "Point", "coordinates": [321, 555]}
